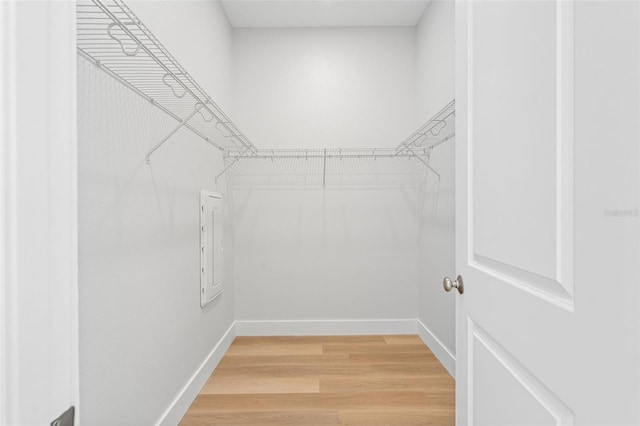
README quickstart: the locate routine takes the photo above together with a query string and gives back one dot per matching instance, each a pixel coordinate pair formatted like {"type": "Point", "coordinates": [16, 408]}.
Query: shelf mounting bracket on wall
{"type": "Point", "coordinates": [240, 155]}
{"type": "Point", "coordinates": [423, 162]}
{"type": "Point", "coordinates": [184, 122]}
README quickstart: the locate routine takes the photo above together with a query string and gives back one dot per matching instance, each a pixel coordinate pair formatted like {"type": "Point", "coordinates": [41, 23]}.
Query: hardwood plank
{"type": "Point", "coordinates": [403, 339]}
{"type": "Point", "coordinates": [353, 370]}
{"type": "Point", "coordinates": [320, 418]}
{"type": "Point", "coordinates": [373, 348]}
{"type": "Point", "coordinates": [401, 369]}
{"type": "Point", "coordinates": [244, 360]}
{"type": "Point", "coordinates": [393, 358]}
{"type": "Point", "coordinates": [429, 384]}
{"type": "Point", "coordinates": [297, 340]}
{"type": "Point", "coordinates": [280, 349]}
{"type": "Point", "coordinates": [309, 402]}
{"type": "Point", "coordinates": [295, 370]}
{"type": "Point", "coordinates": [442, 399]}
{"type": "Point", "coordinates": [244, 384]}
{"type": "Point", "coordinates": [425, 417]}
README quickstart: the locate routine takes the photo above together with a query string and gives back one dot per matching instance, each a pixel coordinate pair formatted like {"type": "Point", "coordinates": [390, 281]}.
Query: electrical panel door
{"type": "Point", "coordinates": [210, 246]}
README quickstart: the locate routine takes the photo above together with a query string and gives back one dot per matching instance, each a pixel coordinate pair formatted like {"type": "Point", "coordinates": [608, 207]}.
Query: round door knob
{"type": "Point", "coordinates": [448, 284]}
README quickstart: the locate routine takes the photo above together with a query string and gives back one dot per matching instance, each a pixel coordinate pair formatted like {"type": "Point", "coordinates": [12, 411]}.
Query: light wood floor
{"type": "Point", "coordinates": [337, 380]}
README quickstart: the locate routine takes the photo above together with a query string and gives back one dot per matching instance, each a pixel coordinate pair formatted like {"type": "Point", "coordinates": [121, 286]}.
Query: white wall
{"type": "Point", "coordinates": [348, 252]}
{"type": "Point", "coordinates": [435, 62]}
{"type": "Point", "coordinates": [143, 333]}
{"type": "Point", "coordinates": [334, 254]}
{"type": "Point", "coordinates": [324, 87]}
{"type": "Point", "coordinates": [435, 82]}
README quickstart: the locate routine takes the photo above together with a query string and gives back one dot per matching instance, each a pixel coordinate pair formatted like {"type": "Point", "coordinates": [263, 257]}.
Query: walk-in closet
{"type": "Point", "coordinates": [319, 212]}
{"type": "Point", "coordinates": [326, 131]}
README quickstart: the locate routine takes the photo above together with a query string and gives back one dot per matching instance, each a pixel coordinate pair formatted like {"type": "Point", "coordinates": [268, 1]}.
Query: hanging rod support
{"type": "Point", "coordinates": [324, 168]}
{"type": "Point", "coordinates": [424, 162]}
{"type": "Point", "coordinates": [448, 137]}
{"type": "Point", "coordinates": [231, 164]}
{"type": "Point", "coordinates": [172, 132]}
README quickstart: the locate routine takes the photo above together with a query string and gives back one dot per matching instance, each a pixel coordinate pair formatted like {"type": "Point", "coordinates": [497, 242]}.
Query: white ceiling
{"type": "Point", "coordinates": [323, 13]}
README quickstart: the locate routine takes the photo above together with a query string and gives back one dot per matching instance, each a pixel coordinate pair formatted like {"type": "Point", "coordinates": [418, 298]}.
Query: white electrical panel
{"type": "Point", "coordinates": [210, 246]}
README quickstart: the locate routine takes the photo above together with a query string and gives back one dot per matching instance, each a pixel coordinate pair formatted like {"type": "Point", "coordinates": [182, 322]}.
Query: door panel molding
{"type": "Point", "coordinates": [477, 337]}
{"type": "Point", "coordinates": [540, 286]}
{"type": "Point", "coordinates": [556, 288]}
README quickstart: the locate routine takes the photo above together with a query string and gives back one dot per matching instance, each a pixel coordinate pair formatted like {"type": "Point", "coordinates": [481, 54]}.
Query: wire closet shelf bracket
{"type": "Point", "coordinates": [112, 37]}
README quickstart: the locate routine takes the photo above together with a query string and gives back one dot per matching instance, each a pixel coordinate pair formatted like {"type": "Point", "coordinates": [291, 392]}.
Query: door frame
{"type": "Point", "coordinates": [39, 330]}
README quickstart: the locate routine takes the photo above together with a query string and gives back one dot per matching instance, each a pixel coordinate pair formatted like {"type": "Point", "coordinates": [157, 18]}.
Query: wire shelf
{"type": "Point", "coordinates": [324, 153]}
{"type": "Point", "coordinates": [437, 130]}
{"type": "Point", "coordinates": [331, 168]}
{"type": "Point", "coordinates": [112, 37]}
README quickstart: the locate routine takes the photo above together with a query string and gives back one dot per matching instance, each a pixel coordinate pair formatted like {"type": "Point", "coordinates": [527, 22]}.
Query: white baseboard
{"type": "Point", "coordinates": [446, 358]}
{"type": "Point", "coordinates": [325, 327]}
{"type": "Point", "coordinates": [189, 392]}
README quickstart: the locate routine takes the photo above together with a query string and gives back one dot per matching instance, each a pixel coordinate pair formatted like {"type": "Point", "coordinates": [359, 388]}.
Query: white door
{"type": "Point", "coordinates": [548, 229]}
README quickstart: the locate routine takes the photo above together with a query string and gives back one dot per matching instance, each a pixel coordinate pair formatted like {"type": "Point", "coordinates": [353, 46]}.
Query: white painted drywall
{"type": "Point", "coordinates": [435, 64]}
{"type": "Point", "coordinates": [143, 333]}
{"type": "Point", "coordinates": [348, 251]}
{"type": "Point", "coordinates": [435, 82]}
{"type": "Point", "coordinates": [324, 87]}
{"type": "Point", "coordinates": [333, 254]}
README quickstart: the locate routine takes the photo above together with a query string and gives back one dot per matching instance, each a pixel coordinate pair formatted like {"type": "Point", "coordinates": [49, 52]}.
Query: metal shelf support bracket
{"type": "Point", "coordinates": [184, 122]}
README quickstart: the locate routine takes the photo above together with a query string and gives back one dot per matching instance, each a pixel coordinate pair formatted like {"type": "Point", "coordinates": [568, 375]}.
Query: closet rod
{"type": "Point", "coordinates": [327, 153]}
{"type": "Point", "coordinates": [328, 156]}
